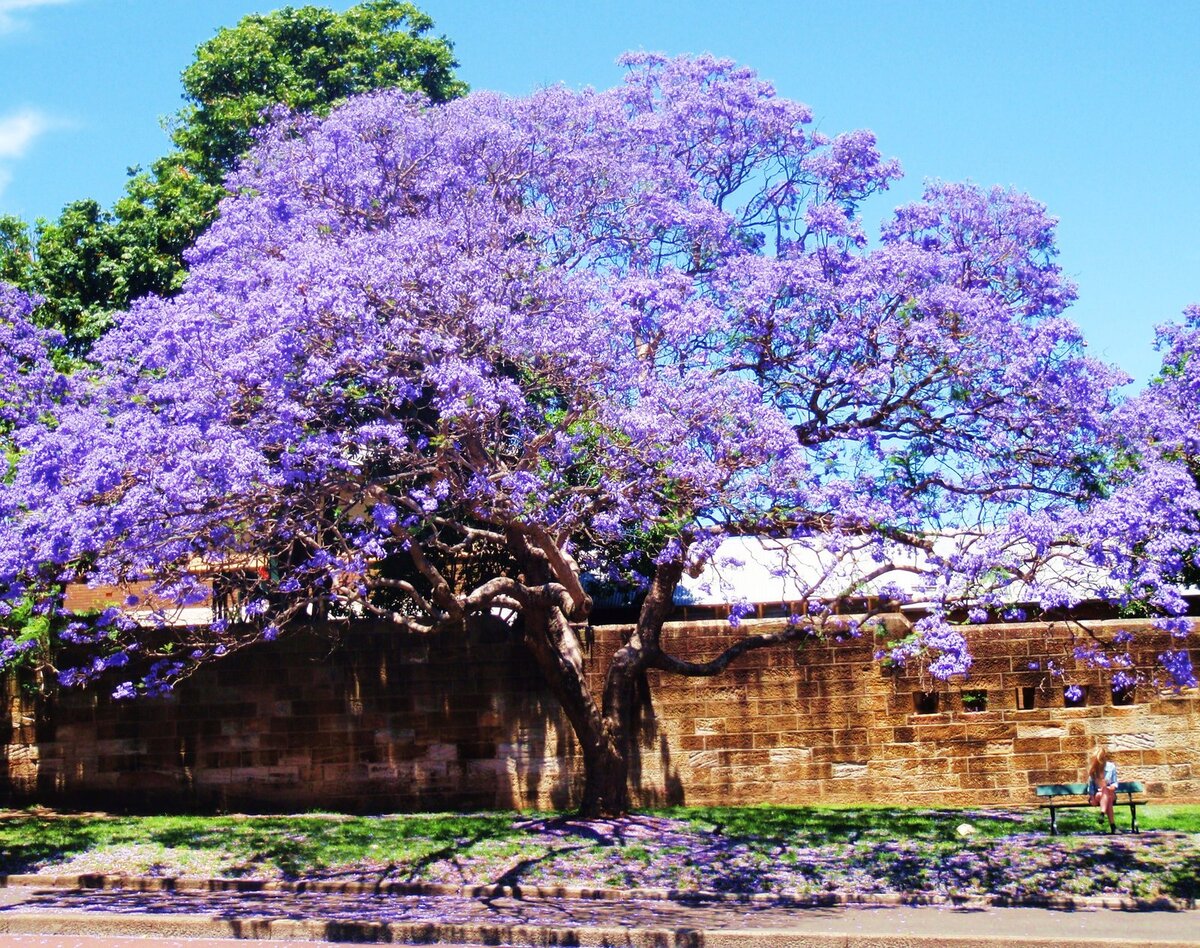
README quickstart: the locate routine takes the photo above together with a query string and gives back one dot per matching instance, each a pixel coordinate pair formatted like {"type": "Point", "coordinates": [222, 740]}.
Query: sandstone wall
{"type": "Point", "coordinates": [385, 722]}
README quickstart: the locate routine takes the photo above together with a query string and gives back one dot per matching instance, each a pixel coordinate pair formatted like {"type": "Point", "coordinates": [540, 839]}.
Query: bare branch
{"type": "Point", "coordinates": [717, 665]}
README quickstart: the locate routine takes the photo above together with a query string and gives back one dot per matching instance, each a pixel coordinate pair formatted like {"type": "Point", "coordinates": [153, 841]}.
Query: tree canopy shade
{"type": "Point", "coordinates": [433, 363]}
{"type": "Point", "coordinates": [92, 262]}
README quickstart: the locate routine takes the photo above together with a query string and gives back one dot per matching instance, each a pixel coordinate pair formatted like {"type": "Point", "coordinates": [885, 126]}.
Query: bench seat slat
{"type": "Point", "coordinates": [1084, 803]}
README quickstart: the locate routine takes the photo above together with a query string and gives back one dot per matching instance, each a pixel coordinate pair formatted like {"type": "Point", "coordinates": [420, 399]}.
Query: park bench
{"type": "Point", "coordinates": [1056, 792]}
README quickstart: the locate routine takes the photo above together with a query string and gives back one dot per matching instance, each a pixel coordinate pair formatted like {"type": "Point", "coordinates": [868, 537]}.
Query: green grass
{"type": "Point", "coordinates": [737, 849]}
{"type": "Point", "coordinates": [846, 824]}
{"type": "Point", "coordinates": [290, 846]}
{"type": "Point", "coordinates": [1179, 818]}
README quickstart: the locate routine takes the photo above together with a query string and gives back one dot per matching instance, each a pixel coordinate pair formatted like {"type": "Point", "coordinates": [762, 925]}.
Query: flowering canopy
{"type": "Point", "coordinates": [1146, 529]}
{"type": "Point", "coordinates": [435, 361]}
{"type": "Point", "coordinates": [29, 383]}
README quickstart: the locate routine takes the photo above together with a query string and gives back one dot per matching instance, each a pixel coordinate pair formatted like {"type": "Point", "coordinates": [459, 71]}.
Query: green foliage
{"type": "Point", "coordinates": [306, 58]}
{"type": "Point", "coordinates": [91, 263]}
{"type": "Point", "coordinates": [29, 631]}
{"type": "Point", "coordinates": [16, 251]}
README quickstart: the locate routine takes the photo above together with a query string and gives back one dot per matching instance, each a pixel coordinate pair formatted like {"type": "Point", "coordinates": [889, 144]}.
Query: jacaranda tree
{"type": "Point", "coordinates": [437, 363]}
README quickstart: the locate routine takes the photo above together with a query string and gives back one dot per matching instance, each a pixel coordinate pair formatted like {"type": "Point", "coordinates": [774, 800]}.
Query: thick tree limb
{"type": "Point", "coordinates": [677, 666]}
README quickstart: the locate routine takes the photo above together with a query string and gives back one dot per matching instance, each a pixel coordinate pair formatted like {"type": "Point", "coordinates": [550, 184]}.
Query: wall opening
{"type": "Point", "coordinates": [1124, 694]}
{"type": "Point", "coordinates": [1075, 696]}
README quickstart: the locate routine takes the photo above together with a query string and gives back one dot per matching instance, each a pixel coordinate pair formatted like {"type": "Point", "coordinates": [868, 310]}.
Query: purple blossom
{"type": "Point", "coordinates": [738, 611]}
{"type": "Point", "coordinates": [255, 608]}
{"type": "Point", "coordinates": [1178, 666]}
{"type": "Point", "coordinates": [1123, 681]}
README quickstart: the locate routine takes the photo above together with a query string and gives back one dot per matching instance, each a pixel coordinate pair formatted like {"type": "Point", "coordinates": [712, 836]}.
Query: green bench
{"type": "Point", "coordinates": [1057, 791]}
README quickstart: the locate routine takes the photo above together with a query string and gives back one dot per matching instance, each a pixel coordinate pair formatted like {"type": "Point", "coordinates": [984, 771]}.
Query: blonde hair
{"type": "Point", "coordinates": [1097, 759]}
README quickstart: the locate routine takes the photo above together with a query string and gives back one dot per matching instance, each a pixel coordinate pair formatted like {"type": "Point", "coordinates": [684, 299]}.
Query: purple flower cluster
{"type": "Point", "coordinates": [1178, 666]}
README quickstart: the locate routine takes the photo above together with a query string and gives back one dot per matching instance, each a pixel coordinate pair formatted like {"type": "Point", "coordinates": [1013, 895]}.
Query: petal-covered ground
{"type": "Point", "coordinates": [780, 850]}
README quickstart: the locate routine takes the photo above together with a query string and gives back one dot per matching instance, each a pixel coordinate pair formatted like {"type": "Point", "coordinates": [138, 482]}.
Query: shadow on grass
{"type": "Point", "coordinates": [27, 843]}
{"type": "Point", "coordinates": [295, 847]}
{"type": "Point", "coordinates": [825, 825]}
{"type": "Point", "coordinates": [1184, 882]}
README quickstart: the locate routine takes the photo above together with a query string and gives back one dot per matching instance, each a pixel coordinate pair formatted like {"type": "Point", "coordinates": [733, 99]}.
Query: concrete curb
{"type": "Point", "coordinates": [526, 936]}
{"type": "Point", "coordinates": [434, 890]}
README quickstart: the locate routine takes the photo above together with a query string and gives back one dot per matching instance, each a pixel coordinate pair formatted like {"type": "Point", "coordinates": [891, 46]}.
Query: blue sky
{"type": "Point", "coordinates": [1094, 108]}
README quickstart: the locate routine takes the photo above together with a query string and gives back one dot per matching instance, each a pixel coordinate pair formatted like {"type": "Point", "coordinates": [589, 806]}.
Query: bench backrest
{"type": "Point", "coordinates": [1079, 789]}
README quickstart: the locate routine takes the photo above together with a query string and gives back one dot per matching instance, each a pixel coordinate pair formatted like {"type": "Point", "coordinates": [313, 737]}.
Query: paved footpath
{"type": "Point", "coordinates": [305, 916]}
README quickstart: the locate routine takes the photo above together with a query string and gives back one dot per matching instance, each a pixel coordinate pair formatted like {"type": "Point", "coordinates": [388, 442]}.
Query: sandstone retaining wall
{"type": "Point", "coordinates": [388, 722]}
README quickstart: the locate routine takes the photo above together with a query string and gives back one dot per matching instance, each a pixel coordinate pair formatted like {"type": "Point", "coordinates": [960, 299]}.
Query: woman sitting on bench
{"type": "Point", "coordinates": [1102, 784]}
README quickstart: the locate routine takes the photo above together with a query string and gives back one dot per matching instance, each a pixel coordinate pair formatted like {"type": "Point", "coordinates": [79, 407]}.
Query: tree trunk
{"type": "Point", "coordinates": [605, 760]}
{"type": "Point", "coordinates": [606, 730]}
{"type": "Point", "coordinates": [606, 780]}
{"type": "Point", "coordinates": [606, 787]}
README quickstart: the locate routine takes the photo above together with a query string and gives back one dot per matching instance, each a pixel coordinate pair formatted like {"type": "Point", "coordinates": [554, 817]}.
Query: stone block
{"type": "Point", "coordinates": [1131, 741]}
{"type": "Point", "coordinates": [848, 770]}
{"type": "Point", "coordinates": [703, 760]}
{"type": "Point", "coordinates": [749, 759]}
{"type": "Point", "coordinates": [727, 741]}
{"type": "Point", "coordinates": [441, 752]}
{"type": "Point", "coordinates": [1045, 745]}
{"type": "Point", "coordinates": [708, 726]}
{"type": "Point", "coordinates": [1177, 707]}
{"type": "Point", "coordinates": [1033, 731]}
{"type": "Point", "coordinates": [1068, 761]}
{"type": "Point", "coordinates": [940, 732]}
{"type": "Point", "coordinates": [790, 756]}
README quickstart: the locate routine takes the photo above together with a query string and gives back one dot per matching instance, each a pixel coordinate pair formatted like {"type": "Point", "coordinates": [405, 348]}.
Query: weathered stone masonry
{"type": "Point", "coordinates": [389, 722]}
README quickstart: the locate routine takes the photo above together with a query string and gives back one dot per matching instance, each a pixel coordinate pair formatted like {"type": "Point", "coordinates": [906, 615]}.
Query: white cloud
{"type": "Point", "coordinates": [9, 9]}
{"type": "Point", "coordinates": [18, 131]}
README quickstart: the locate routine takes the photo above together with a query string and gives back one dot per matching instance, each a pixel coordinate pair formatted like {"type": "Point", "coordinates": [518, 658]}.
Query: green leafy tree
{"type": "Point", "coordinates": [16, 251]}
{"type": "Point", "coordinates": [307, 59]}
{"type": "Point", "coordinates": [74, 267]}
{"type": "Point", "coordinates": [91, 263]}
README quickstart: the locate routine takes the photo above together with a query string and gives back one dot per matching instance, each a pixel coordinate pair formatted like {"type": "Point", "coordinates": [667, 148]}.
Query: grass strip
{"type": "Point", "coordinates": [778, 850]}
